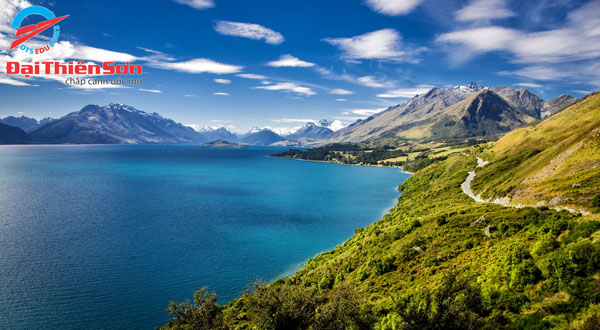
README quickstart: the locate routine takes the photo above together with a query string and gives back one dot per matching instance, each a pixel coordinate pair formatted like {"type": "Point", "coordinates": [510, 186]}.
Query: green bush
{"type": "Point", "coordinates": [596, 203]}
{"type": "Point", "coordinates": [326, 281]}
{"type": "Point", "coordinates": [544, 245]}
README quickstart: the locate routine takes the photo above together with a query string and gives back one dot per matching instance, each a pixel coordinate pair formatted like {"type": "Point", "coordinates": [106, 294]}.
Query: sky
{"type": "Point", "coordinates": [281, 64]}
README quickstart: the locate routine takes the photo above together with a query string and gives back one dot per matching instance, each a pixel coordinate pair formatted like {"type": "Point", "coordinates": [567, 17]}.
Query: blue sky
{"type": "Point", "coordinates": [242, 63]}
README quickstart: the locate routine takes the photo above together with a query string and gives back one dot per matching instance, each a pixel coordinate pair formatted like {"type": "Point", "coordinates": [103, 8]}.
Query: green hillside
{"type": "Point", "coordinates": [555, 163]}
{"type": "Point", "coordinates": [438, 260]}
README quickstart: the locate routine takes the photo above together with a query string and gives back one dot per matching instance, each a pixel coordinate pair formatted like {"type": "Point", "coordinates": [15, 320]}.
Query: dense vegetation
{"type": "Point", "coordinates": [409, 155]}
{"type": "Point", "coordinates": [439, 260]}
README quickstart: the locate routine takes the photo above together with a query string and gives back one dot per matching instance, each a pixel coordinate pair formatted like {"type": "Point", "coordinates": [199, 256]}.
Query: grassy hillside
{"type": "Point", "coordinates": [554, 163]}
{"type": "Point", "coordinates": [439, 260]}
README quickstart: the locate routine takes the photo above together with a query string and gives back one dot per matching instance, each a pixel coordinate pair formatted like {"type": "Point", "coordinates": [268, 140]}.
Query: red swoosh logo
{"type": "Point", "coordinates": [30, 31]}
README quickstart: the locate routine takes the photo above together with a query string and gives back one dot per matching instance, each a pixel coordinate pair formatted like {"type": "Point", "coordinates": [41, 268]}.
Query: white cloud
{"type": "Point", "coordinates": [293, 120]}
{"type": "Point", "coordinates": [404, 92]}
{"type": "Point", "coordinates": [190, 95]}
{"type": "Point", "coordinates": [530, 85]}
{"type": "Point", "coordinates": [248, 30]}
{"type": "Point", "coordinates": [341, 100]}
{"type": "Point", "coordinates": [363, 112]}
{"type": "Point", "coordinates": [221, 94]}
{"type": "Point", "coordinates": [199, 65]}
{"type": "Point", "coordinates": [290, 87]}
{"type": "Point", "coordinates": [377, 45]}
{"type": "Point", "coordinates": [371, 82]}
{"type": "Point", "coordinates": [482, 39]}
{"type": "Point", "coordinates": [14, 82]}
{"type": "Point", "coordinates": [570, 51]}
{"type": "Point", "coordinates": [340, 91]}
{"type": "Point", "coordinates": [151, 90]}
{"type": "Point", "coordinates": [578, 91]}
{"type": "Point", "coordinates": [223, 81]}
{"type": "Point", "coordinates": [540, 72]}
{"type": "Point", "coordinates": [482, 10]}
{"type": "Point", "coordinates": [251, 76]}
{"type": "Point", "coordinates": [197, 4]}
{"type": "Point", "coordinates": [290, 61]}
{"type": "Point", "coordinates": [393, 7]}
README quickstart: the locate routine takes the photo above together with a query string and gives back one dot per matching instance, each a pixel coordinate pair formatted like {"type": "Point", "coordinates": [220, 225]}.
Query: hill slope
{"type": "Point", "coordinates": [553, 163]}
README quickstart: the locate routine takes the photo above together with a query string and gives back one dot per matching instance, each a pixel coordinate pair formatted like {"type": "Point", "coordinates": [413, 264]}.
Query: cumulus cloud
{"type": "Point", "coordinates": [251, 76]}
{"type": "Point", "coordinates": [482, 10]}
{"type": "Point", "coordinates": [393, 7]}
{"type": "Point", "coordinates": [197, 4]}
{"type": "Point", "coordinates": [222, 81]}
{"type": "Point", "coordinates": [340, 91]}
{"type": "Point", "coordinates": [290, 61]}
{"type": "Point", "coordinates": [249, 30]}
{"type": "Point", "coordinates": [288, 87]}
{"type": "Point", "coordinates": [151, 90]}
{"type": "Point", "coordinates": [404, 92]}
{"type": "Point", "coordinates": [199, 65]}
{"type": "Point", "coordinates": [377, 45]}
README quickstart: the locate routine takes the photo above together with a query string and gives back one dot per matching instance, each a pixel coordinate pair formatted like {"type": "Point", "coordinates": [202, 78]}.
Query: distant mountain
{"type": "Point", "coordinates": [262, 137]}
{"type": "Point", "coordinates": [213, 134]}
{"type": "Point", "coordinates": [439, 114]}
{"type": "Point", "coordinates": [25, 123]}
{"type": "Point", "coordinates": [114, 124]}
{"type": "Point", "coordinates": [312, 131]}
{"type": "Point", "coordinates": [12, 135]}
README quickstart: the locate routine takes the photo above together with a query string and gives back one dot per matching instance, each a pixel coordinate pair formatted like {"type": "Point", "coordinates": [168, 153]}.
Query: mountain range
{"type": "Point", "coordinates": [454, 112]}
{"type": "Point", "coordinates": [440, 114]}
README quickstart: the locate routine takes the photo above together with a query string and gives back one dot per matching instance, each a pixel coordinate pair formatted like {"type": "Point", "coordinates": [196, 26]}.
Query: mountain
{"type": "Point", "coordinates": [436, 115]}
{"type": "Point", "coordinates": [556, 105]}
{"type": "Point", "coordinates": [482, 114]}
{"type": "Point", "coordinates": [393, 118]}
{"type": "Point", "coordinates": [25, 123]}
{"type": "Point", "coordinates": [224, 144]}
{"type": "Point", "coordinates": [114, 124]}
{"type": "Point", "coordinates": [211, 134]}
{"type": "Point", "coordinates": [311, 131]}
{"type": "Point", "coordinates": [12, 135]}
{"type": "Point", "coordinates": [261, 137]}
{"type": "Point", "coordinates": [555, 162]}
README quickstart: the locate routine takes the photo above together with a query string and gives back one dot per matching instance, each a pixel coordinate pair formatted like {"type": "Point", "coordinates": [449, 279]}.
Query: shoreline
{"type": "Point", "coordinates": [325, 161]}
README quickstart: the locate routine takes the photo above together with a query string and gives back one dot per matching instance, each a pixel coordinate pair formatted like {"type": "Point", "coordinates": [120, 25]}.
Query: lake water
{"type": "Point", "coordinates": [103, 237]}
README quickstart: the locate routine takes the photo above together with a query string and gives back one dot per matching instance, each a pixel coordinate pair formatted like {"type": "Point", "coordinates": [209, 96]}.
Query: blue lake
{"type": "Point", "coordinates": [103, 237]}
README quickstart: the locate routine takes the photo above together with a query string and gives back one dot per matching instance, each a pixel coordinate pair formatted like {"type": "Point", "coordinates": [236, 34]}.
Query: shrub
{"type": "Point", "coordinates": [441, 220]}
{"type": "Point", "coordinates": [326, 281]}
{"type": "Point", "coordinates": [596, 202]}
{"type": "Point", "coordinates": [544, 245]}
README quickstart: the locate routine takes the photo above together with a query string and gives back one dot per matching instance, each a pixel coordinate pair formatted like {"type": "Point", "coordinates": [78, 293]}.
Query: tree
{"type": "Point", "coordinates": [203, 314]}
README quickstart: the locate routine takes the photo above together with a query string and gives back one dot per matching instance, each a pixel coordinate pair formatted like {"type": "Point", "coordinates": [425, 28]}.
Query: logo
{"type": "Point", "coordinates": [27, 32]}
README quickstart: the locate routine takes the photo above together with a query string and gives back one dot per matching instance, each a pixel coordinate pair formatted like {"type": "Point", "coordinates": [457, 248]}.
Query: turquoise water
{"type": "Point", "coordinates": [103, 237]}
